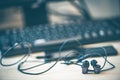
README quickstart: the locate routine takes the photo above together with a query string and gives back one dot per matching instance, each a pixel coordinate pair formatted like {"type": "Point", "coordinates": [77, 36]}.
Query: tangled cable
{"type": "Point", "coordinates": [24, 59]}
{"type": "Point", "coordinates": [59, 58]}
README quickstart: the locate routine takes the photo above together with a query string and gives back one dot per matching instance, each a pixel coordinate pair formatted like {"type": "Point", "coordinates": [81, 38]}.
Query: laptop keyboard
{"type": "Point", "coordinates": [50, 37]}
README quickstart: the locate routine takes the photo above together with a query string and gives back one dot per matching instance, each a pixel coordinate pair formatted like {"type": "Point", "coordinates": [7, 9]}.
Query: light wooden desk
{"type": "Point", "coordinates": [64, 72]}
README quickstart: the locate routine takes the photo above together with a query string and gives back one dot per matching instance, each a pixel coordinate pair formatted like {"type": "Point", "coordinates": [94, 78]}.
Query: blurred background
{"type": "Point", "coordinates": [19, 13]}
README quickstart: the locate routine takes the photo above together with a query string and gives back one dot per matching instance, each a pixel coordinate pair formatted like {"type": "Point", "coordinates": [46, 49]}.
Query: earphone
{"type": "Point", "coordinates": [96, 67]}
{"type": "Point", "coordinates": [85, 64]}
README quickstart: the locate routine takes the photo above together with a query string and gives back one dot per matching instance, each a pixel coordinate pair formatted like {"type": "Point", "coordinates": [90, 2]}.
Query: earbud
{"type": "Point", "coordinates": [93, 62]}
{"type": "Point", "coordinates": [97, 68]}
{"type": "Point", "coordinates": [85, 67]}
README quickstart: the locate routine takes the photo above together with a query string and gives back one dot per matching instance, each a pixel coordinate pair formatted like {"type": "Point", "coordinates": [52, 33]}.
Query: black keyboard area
{"type": "Point", "coordinates": [51, 37]}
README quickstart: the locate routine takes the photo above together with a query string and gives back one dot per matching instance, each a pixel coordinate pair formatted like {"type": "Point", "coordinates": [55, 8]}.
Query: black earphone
{"type": "Point", "coordinates": [85, 66]}
{"type": "Point", "coordinates": [97, 67]}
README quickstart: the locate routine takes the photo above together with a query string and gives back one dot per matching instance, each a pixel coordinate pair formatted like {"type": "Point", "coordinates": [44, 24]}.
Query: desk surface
{"type": "Point", "coordinates": [64, 72]}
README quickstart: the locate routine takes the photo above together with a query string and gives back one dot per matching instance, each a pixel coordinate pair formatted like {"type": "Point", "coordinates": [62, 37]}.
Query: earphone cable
{"type": "Point", "coordinates": [59, 58]}
{"type": "Point", "coordinates": [6, 52]}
